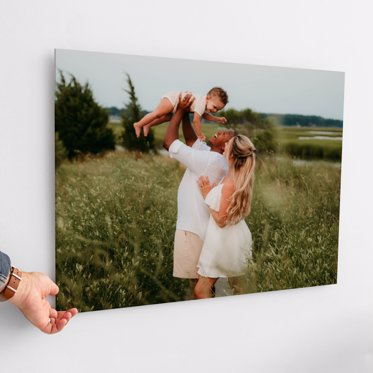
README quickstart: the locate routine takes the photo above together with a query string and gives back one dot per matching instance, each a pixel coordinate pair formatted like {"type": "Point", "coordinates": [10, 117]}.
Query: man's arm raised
{"type": "Point", "coordinates": [188, 131]}
{"type": "Point", "coordinates": [172, 132]}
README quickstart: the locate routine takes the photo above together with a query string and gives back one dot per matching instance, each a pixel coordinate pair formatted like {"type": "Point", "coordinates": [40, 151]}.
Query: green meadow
{"type": "Point", "coordinates": [299, 142]}
{"type": "Point", "coordinates": [311, 142]}
{"type": "Point", "coordinates": [116, 215]}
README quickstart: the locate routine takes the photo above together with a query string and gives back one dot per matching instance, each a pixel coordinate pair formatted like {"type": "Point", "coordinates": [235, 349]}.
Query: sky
{"type": "Point", "coordinates": [265, 89]}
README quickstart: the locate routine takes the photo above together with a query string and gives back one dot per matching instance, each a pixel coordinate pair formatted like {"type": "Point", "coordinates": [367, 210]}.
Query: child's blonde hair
{"type": "Point", "coordinates": [241, 151]}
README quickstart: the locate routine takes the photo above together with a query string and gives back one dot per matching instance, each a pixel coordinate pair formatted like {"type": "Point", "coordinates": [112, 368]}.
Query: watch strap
{"type": "Point", "coordinates": [15, 278]}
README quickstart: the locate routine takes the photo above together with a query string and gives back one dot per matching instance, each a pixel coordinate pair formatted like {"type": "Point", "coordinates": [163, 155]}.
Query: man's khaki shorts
{"type": "Point", "coordinates": [187, 249]}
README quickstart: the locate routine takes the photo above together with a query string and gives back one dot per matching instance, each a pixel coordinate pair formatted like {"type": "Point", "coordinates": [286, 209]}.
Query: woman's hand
{"type": "Point", "coordinates": [204, 185]}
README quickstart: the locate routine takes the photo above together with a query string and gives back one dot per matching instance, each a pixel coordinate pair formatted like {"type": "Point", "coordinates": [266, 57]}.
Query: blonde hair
{"type": "Point", "coordinates": [241, 152]}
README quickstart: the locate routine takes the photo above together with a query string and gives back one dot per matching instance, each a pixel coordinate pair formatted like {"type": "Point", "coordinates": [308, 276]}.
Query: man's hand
{"type": "Point", "coordinates": [172, 132]}
{"type": "Point", "coordinates": [186, 101]}
{"type": "Point", "coordinates": [202, 137]}
{"type": "Point", "coordinates": [30, 298]}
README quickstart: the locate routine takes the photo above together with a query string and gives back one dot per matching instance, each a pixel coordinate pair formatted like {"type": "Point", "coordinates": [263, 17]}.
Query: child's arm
{"type": "Point", "coordinates": [197, 126]}
{"type": "Point", "coordinates": [220, 216]}
{"type": "Point", "coordinates": [213, 118]}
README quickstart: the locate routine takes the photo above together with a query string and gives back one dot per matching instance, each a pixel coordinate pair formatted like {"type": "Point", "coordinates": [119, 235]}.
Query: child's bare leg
{"type": "Point", "coordinates": [162, 119]}
{"type": "Point", "coordinates": [204, 287]}
{"type": "Point", "coordinates": [164, 107]}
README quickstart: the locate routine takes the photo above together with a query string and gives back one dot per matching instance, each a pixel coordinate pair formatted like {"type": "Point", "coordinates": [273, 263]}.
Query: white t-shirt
{"type": "Point", "coordinates": [192, 213]}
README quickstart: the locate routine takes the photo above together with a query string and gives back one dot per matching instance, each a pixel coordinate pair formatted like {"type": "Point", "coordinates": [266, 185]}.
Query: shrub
{"type": "Point", "coordinates": [79, 120]}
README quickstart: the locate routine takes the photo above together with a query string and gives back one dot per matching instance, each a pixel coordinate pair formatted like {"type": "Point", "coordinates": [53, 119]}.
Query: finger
{"type": "Point", "coordinates": [55, 325]}
{"type": "Point", "coordinates": [64, 315]}
{"type": "Point", "coordinates": [63, 318]}
{"type": "Point", "coordinates": [53, 313]}
{"type": "Point", "coordinates": [53, 290]}
{"type": "Point", "coordinates": [48, 326]}
{"type": "Point", "coordinates": [60, 324]}
{"type": "Point", "coordinates": [73, 311]}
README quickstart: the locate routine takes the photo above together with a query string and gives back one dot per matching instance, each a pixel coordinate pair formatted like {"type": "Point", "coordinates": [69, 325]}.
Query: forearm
{"type": "Point", "coordinates": [197, 127]}
{"type": "Point", "coordinates": [188, 131]}
{"type": "Point", "coordinates": [219, 218]}
{"type": "Point", "coordinates": [210, 117]}
{"type": "Point", "coordinates": [172, 132]}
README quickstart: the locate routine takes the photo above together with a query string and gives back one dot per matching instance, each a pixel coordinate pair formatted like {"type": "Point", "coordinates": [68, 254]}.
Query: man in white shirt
{"type": "Point", "coordinates": [200, 160]}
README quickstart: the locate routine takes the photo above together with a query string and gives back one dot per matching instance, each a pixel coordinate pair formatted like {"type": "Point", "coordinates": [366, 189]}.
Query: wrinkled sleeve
{"type": "Point", "coordinates": [195, 158]}
{"type": "Point", "coordinates": [4, 270]}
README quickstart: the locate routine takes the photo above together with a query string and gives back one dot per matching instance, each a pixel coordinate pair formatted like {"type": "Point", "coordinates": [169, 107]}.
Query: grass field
{"type": "Point", "coordinates": [115, 223]}
{"type": "Point", "coordinates": [311, 143]}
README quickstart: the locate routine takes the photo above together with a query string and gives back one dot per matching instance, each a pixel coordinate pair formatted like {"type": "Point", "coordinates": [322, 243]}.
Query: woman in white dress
{"type": "Point", "coordinates": [227, 245]}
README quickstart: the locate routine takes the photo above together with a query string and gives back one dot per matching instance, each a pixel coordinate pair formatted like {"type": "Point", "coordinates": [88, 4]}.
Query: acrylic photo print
{"type": "Point", "coordinates": [184, 180]}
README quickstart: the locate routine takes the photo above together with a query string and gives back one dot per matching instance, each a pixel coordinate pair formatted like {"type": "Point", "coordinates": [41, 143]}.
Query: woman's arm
{"type": "Point", "coordinates": [220, 216]}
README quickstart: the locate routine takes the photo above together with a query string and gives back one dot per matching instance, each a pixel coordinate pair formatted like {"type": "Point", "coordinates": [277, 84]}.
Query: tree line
{"type": "Point", "coordinates": [81, 123]}
{"type": "Point", "coordinates": [303, 120]}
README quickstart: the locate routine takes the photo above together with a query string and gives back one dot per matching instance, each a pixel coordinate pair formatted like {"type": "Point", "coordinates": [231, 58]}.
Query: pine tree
{"type": "Point", "coordinates": [79, 120]}
{"type": "Point", "coordinates": [131, 115]}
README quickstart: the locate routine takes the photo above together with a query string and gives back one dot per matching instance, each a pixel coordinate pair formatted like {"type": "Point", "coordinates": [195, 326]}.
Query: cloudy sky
{"type": "Point", "coordinates": [261, 88]}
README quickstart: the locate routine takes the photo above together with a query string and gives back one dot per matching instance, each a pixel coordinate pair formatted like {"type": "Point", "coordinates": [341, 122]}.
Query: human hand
{"type": "Point", "coordinates": [202, 137]}
{"type": "Point", "coordinates": [204, 185]}
{"type": "Point", "coordinates": [186, 101]}
{"type": "Point", "coordinates": [30, 299]}
{"type": "Point", "coordinates": [223, 120]}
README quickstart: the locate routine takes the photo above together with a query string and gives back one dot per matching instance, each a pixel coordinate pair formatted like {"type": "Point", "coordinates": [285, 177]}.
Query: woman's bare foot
{"type": "Point", "coordinates": [137, 129]}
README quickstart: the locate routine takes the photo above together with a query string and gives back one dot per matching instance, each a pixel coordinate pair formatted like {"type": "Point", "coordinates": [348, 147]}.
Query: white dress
{"type": "Point", "coordinates": [225, 251]}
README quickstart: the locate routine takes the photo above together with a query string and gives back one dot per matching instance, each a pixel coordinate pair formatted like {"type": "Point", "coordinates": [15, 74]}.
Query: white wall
{"type": "Point", "coordinates": [325, 329]}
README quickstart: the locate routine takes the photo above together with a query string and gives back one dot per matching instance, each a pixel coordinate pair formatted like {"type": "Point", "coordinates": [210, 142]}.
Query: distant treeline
{"type": "Point", "coordinates": [240, 116]}
{"type": "Point", "coordinates": [114, 111]}
{"type": "Point", "coordinates": [303, 120]}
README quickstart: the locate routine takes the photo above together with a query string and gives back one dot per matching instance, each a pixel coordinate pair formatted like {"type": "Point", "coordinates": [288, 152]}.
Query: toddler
{"type": "Point", "coordinates": [203, 106]}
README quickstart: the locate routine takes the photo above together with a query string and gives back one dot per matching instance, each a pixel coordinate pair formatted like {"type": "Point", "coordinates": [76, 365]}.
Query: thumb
{"type": "Point", "coordinates": [54, 289]}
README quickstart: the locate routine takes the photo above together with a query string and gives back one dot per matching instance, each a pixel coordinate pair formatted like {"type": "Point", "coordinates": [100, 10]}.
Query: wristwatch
{"type": "Point", "coordinates": [11, 287]}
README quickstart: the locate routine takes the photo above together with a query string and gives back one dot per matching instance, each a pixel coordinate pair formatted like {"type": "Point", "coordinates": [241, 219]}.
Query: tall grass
{"type": "Point", "coordinates": [295, 220]}
{"type": "Point", "coordinates": [115, 224]}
